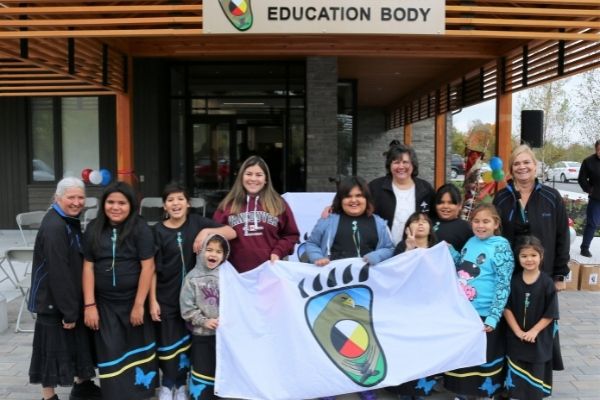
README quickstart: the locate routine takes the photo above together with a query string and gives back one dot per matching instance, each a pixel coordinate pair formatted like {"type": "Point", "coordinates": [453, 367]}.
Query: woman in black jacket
{"type": "Point", "coordinates": [61, 342]}
{"type": "Point", "coordinates": [528, 207]}
{"type": "Point", "coordinates": [400, 193]}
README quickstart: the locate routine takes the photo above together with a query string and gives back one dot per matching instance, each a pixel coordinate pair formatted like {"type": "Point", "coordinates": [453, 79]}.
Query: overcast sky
{"type": "Point", "coordinates": [486, 111]}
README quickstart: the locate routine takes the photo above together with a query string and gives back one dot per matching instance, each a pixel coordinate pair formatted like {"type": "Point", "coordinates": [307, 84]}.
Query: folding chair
{"type": "Point", "coordinates": [151, 208]}
{"type": "Point", "coordinates": [88, 215]}
{"type": "Point", "coordinates": [13, 279]}
{"type": "Point", "coordinates": [90, 202]}
{"type": "Point", "coordinates": [198, 203]}
{"type": "Point", "coordinates": [31, 221]}
{"type": "Point", "coordinates": [23, 255]}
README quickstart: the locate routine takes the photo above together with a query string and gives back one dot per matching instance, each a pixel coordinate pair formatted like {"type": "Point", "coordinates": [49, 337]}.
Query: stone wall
{"type": "Point", "coordinates": [321, 122]}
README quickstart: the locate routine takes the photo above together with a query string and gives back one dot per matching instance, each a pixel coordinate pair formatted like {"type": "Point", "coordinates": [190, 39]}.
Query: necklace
{"type": "Point", "coordinates": [113, 239]}
{"type": "Point", "coordinates": [180, 245]}
{"type": "Point", "coordinates": [356, 237]}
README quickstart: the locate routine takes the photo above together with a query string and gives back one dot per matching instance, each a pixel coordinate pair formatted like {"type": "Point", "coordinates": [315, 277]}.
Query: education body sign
{"type": "Point", "coordinates": [420, 17]}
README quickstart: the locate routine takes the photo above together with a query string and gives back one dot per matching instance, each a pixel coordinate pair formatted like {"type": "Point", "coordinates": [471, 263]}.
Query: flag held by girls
{"type": "Point", "coordinates": [291, 330]}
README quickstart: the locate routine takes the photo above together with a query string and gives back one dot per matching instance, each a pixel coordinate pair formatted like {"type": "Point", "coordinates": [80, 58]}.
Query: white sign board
{"type": "Point", "coordinates": [420, 17]}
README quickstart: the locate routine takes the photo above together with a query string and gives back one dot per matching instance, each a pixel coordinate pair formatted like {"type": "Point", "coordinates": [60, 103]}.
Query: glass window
{"type": "Point", "coordinates": [80, 135]}
{"type": "Point", "coordinates": [42, 132]}
{"type": "Point", "coordinates": [345, 128]}
{"type": "Point", "coordinates": [68, 143]}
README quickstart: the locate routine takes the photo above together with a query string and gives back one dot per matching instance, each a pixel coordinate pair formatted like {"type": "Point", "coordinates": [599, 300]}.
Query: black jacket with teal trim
{"type": "Point", "coordinates": [548, 221]}
{"type": "Point", "coordinates": [57, 265]}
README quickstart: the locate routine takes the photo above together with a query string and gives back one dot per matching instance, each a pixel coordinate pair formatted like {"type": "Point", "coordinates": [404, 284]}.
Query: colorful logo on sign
{"type": "Point", "coordinates": [238, 12]}
{"type": "Point", "coordinates": [341, 322]}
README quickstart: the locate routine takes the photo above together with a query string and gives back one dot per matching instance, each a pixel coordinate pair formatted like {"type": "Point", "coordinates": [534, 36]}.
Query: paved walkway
{"type": "Point", "coordinates": [580, 340]}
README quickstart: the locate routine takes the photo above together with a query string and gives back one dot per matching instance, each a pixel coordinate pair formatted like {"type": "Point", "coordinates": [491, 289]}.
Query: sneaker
{"type": "Point", "coordinates": [181, 393]}
{"type": "Point", "coordinates": [86, 390]}
{"type": "Point", "coordinates": [368, 395]}
{"type": "Point", "coordinates": [585, 252]}
{"type": "Point", "coordinates": [164, 393]}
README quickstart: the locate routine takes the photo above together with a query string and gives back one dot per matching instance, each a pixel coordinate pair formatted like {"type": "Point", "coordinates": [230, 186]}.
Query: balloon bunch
{"type": "Point", "coordinates": [96, 176]}
{"type": "Point", "coordinates": [496, 174]}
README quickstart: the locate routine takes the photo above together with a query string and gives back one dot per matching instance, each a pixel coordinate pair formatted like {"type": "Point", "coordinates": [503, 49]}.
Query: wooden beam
{"type": "Point", "coordinates": [522, 35]}
{"type": "Point", "coordinates": [440, 150]}
{"type": "Point", "coordinates": [503, 121]}
{"type": "Point", "coordinates": [87, 10]}
{"type": "Point", "coordinates": [408, 132]}
{"type": "Point", "coordinates": [124, 117]}
{"type": "Point", "coordinates": [536, 11]}
{"type": "Point", "coordinates": [102, 21]}
{"type": "Point", "coordinates": [523, 22]}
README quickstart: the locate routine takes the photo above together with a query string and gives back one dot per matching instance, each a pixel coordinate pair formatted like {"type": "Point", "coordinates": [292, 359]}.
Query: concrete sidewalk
{"type": "Point", "coordinates": [580, 340]}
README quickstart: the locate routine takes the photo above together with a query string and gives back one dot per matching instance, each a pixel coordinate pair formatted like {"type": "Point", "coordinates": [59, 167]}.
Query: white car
{"type": "Point", "coordinates": [563, 171]}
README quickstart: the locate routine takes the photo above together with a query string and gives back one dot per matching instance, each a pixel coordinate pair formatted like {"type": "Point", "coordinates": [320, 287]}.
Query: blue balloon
{"type": "Point", "coordinates": [106, 176]}
{"type": "Point", "coordinates": [495, 163]}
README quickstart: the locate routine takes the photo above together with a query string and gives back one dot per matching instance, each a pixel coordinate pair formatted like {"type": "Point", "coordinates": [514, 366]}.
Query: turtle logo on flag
{"type": "Point", "coordinates": [238, 12]}
{"type": "Point", "coordinates": [341, 322]}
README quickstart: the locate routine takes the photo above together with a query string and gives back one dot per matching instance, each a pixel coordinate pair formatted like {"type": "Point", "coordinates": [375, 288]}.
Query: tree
{"type": "Point", "coordinates": [588, 104]}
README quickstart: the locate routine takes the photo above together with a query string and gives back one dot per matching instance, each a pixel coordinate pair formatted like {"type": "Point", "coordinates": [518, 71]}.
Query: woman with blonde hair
{"type": "Point", "coordinates": [264, 223]}
{"type": "Point", "coordinates": [527, 207]}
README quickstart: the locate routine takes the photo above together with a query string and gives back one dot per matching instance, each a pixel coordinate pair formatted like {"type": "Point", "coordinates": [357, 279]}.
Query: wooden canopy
{"type": "Point", "coordinates": [50, 47]}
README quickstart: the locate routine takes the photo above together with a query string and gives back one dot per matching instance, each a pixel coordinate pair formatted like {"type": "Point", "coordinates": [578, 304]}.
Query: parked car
{"type": "Point", "coordinates": [457, 166]}
{"type": "Point", "coordinates": [563, 171]}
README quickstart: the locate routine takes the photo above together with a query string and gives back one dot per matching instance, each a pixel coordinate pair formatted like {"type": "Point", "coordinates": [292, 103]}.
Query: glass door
{"type": "Point", "coordinates": [210, 145]}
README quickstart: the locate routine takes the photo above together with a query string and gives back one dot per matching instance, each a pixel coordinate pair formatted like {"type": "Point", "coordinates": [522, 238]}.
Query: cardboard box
{"type": "Point", "coordinates": [572, 280]}
{"type": "Point", "coordinates": [589, 277]}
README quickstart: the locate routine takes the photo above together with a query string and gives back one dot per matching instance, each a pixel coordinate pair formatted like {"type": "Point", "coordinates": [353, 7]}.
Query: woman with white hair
{"type": "Point", "coordinates": [62, 353]}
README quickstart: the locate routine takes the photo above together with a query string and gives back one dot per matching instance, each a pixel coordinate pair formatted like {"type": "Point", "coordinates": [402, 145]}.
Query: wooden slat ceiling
{"type": "Point", "coordinates": [87, 42]}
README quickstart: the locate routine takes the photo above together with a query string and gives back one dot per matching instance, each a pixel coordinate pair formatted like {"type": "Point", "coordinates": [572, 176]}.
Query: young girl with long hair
{"type": "Point", "coordinates": [264, 223]}
{"type": "Point", "coordinates": [174, 259]}
{"type": "Point", "coordinates": [117, 272]}
{"type": "Point", "coordinates": [418, 233]}
{"type": "Point", "coordinates": [484, 266]}
{"type": "Point", "coordinates": [531, 313]}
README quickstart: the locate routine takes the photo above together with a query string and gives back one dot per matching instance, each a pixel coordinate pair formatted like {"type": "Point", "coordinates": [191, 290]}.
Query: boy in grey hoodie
{"type": "Point", "coordinates": [199, 301]}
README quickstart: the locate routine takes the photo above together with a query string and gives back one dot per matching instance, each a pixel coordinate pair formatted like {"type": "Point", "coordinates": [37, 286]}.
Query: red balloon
{"type": "Point", "coordinates": [85, 175]}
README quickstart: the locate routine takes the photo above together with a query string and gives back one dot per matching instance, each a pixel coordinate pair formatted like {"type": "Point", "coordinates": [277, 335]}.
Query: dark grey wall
{"type": "Point", "coordinates": [13, 160]}
{"type": "Point", "coordinates": [151, 132]}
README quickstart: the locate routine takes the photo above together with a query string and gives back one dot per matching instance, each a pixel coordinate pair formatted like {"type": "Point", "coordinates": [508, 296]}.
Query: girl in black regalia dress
{"type": "Point", "coordinates": [531, 313]}
{"type": "Point", "coordinates": [174, 258]}
{"type": "Point", "coordinates": [117, 273]}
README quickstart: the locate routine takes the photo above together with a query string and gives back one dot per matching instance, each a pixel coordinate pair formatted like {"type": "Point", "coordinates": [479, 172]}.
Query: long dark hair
{"type": "Point", "coordinates": [102, 222]}
{"type": "Point", "coordinates": [529, 242]}
{"type": "Point", "coordinates": [345, 186]}
{"type": "Point", "coordinates": [431, 238]}
{"type": "Point", "coordinates": [395, 152]}
{"type": "Point", "coordinates": [270, 200]}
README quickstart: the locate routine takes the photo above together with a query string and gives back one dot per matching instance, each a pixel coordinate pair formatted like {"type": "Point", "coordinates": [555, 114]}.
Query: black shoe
{"type": "Point", "coordinates": [585, 252]}
{"type": "Point", "coordinates": [86, 390]}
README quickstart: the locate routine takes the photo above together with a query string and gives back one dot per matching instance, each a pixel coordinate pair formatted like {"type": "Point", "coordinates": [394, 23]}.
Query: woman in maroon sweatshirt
{"type": "Point", "coordinates": [264, 223]}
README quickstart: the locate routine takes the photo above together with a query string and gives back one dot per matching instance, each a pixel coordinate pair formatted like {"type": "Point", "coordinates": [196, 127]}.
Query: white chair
{"type": "Point", "coordinates": [151, 208]}
{"type": "Point", "coordinates": [23, 255]}
{"type": "Point", "coordinates": [13, 279]}
{"type": "Point", "coordinates": [88, 215]}
{"type": "Point", "coordinates": [198, 203]}
{"type": "Point", "coordinates": [31, 221]}
{"type": "Point", "coordinates": [90, 202]}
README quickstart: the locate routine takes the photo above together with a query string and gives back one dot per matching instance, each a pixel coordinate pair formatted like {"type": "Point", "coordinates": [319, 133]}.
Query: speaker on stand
{"type": "Point", "coordinates": [532, 128]}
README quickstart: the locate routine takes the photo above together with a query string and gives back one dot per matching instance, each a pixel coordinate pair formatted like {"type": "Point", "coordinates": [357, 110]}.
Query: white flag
{"type": "Point", "coordinates": [291, 330]}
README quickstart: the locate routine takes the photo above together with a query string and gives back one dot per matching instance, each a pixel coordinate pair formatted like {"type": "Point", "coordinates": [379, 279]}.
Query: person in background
{"type": "Point", "coordinates": [199, 302]}
{"type": "Point", "coordinates": [174, 258]}
{"type": "Point", "coordinates": [264, 223]}
{"type": "Point", "coordinates": [484, 268]}
{"type": "Point", "coordinates": [62, 349]}
{"type": "Point", "coordinates": [527, 207]}
{"type": "Point", "coordinates": [400, 193]}
{"type": "Point", "coordinates": [589, 180]}
{"type": "Point", "coordinates": [117, 273]}
{"type": "Point", "coordinates": [531, 312]}
{"type": "Point", "coordinates": [448, 226]}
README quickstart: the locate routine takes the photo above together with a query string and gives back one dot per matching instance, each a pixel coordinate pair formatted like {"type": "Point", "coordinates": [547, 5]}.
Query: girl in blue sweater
{"type": "Point", "coordinates": [484, 268]}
